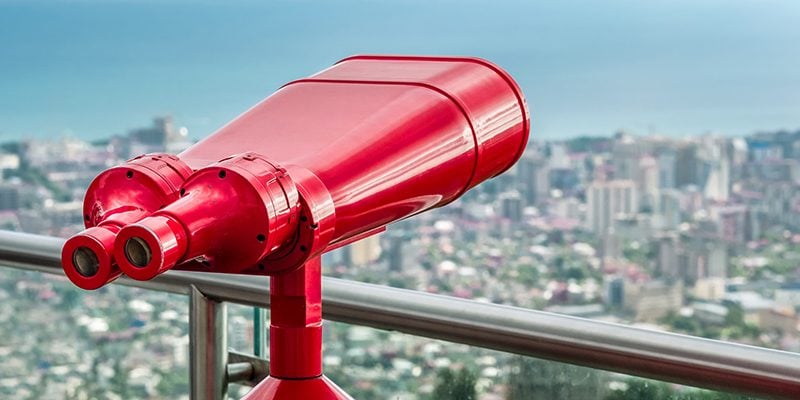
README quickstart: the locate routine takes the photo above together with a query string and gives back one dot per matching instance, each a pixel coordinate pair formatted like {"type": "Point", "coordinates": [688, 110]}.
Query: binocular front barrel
{"type": "Point", "coordinates": [117, 197]}
{"type": "Point", "coordinates": [324, 160]}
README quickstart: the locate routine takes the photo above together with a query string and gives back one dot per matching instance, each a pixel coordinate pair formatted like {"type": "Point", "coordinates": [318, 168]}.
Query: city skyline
{"type": "Point", "coordinates": [698, 236]}
{"type": "Point", "coordinates": [659, 189]}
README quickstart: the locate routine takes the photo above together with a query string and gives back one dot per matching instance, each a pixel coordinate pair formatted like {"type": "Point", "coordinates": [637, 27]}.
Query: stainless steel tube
{"type": "Point", "coordinates": [208, 327]}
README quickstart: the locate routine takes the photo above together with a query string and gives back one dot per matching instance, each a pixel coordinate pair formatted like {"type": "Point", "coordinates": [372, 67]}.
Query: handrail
{"type": "Point", "coordinates": [653, 354]}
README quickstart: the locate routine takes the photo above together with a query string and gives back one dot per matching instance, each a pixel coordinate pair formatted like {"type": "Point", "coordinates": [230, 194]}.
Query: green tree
{"type": "Point", "coordinates": [735, 316]}
{"type": "Point", "coordinates": [640, 389]}
{"type": "Point", "coordinates": [531, 378]}
{"type": "Point", "coordinates": [119, 381]}
{"type": "Point", "coordinates": [455, 385]}
{"type": "Point", "coordinates": [38, 391]}
{"type": "Point", "coordinates": [173, 382]}
{"type": "Point", "coordinates": [528, 275]}
{"type": "Point", "coordinates": [71, 298]}
{"type": "Point", "coordinates": [709, 395]}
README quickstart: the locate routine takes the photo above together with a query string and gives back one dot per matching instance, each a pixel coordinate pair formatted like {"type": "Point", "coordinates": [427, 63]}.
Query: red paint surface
{"type": "Point", "coordinates": [382, 138]}
{"type": "Point", "coordinates": [323, 161]}
{"type": "Point", "coordinates": [320, 388]}
{"type": "Point", "coordinates": [117, 197]}
{"type": "Point", "coordinates": [295, 332]}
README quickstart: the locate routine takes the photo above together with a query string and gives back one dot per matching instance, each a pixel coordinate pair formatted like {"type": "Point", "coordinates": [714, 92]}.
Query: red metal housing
{"type": "Point", "coordinates": [370, 141]}
{"type": "Point", "coordinates": [322, 162]}
{"type": "Point", "coordinates": [117, 197]}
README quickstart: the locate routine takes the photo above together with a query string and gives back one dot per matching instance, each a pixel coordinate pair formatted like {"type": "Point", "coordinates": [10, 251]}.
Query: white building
{"type": "Point", "coordinates": [607, 200]}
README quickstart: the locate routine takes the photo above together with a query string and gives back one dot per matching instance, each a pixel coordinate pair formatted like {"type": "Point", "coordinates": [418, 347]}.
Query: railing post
{"type": "Point", "coordinates": [208, 343]}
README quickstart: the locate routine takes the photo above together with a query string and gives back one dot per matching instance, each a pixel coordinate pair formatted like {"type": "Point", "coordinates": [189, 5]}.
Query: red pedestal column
{"type": "Point", "coordinates": [295, 345]}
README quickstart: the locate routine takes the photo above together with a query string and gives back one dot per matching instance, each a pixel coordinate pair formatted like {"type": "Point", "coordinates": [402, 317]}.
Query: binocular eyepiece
{"type": "Point", "coordinates": [230, 216]}
{"type": "Point", "coordinates": [323, 161]}
{"type": "Point", "coordinates": [137, 252]}
{"type": "Point", "coordinates": [117, 197]}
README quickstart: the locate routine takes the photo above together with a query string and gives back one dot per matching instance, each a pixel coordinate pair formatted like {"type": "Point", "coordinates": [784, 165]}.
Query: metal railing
{"type": "Point", "coordinates": [652, 354]}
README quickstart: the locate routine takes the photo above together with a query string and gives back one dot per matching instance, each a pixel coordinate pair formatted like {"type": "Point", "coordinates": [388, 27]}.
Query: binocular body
{"type": "Point", "coordinates": [322, 162]}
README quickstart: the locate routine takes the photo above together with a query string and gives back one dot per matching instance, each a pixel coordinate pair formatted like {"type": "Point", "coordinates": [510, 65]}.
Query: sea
{"type": "Point", "coordinates": [90, 69]}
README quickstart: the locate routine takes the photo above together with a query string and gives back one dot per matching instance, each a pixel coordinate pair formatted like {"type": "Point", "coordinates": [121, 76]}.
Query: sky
{"type": "Point", "coordinates": [91, 69]}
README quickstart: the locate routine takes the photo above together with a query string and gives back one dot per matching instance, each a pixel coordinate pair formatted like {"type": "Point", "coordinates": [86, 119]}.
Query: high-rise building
{"type": "Point", "coordinates": [9, 197]}
{"type": "Point", "coordinates": [155, 135]}
{"type": "Point", "coordinates": [559, 157]}
{"type": "Point", "coordinates": [668, 209]}
{"type": "Point", "coordinates": [651, 301]}
{"type": "Point", "coordinates": [563, 179]}
{"type": "Point", "coordinates": [666, 168]}
{"type": "Point", "coordinates": [364, 251]}
{"type": "Point", "coordinates": [511, 206]}
{"type": "Point", "coordinates": [731, 222]}
{"type": "Point", "coordinates": [709, 288]}
{"type": "Point", "coordinates": [668, 265]}
{"type": "Point", "coordinates": [607, 200]}
{"type": "Point", "coordinates": [772, 170]}
{"type": "Point", "coordinates": [714, 170]}
{"type": "Point", "coordinates": [647, 181]}
{"type": "Point", "coordinates": [754, 223]}
{"type": "Point", "coordinates": [533, 179]}
{"type": "Point", "coordinates": [566, 207]}
{"type": "Point", "coordinates": [738, 154]}
{"type": "Point", "coordinates": [718, 181]}
{"type": "Point", "coordinates": [396, 241]}
{"type": "Point", "coordinates": [778, 199]}
{"type": "Point", "coordinates": [614, 291]}
{"type": "Point", "coordinates": [625, 155]}
{"type": "Point", "coordinates": [611, 248]}
{"type": "Point", "coordinates": [686, 165]}
{"type": "Point", "coordinates": [704, 258]}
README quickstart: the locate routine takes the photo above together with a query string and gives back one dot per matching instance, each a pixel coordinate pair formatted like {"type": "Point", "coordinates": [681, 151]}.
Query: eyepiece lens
{"type": "Point", "coordinates": [85, 261]}
{"type": "Point", "coordinates": [138, 253]}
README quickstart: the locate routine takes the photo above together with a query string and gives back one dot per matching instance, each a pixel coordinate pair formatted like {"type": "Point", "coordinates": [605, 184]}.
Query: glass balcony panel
{"type": "Point", "coordinates": [563, 273]}
{"type": "Point", "coordinates": [241, 330]}
{"type": "Point", "coordinates": [60, 342]}
{"type": "Point", "coordinates": [375, 364]}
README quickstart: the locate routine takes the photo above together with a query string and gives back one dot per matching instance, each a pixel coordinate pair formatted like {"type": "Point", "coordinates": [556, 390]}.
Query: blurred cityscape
{"type": "Point", "coordinates": [698, 235]}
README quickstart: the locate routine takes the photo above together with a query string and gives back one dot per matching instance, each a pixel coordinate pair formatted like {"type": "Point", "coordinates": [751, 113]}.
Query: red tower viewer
{"type": "Point", "coordinates": [322, 162]}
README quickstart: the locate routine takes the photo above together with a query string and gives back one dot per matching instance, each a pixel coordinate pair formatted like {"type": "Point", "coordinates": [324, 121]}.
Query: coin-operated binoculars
{"type": "Point", "coordinates": [322, 162]}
